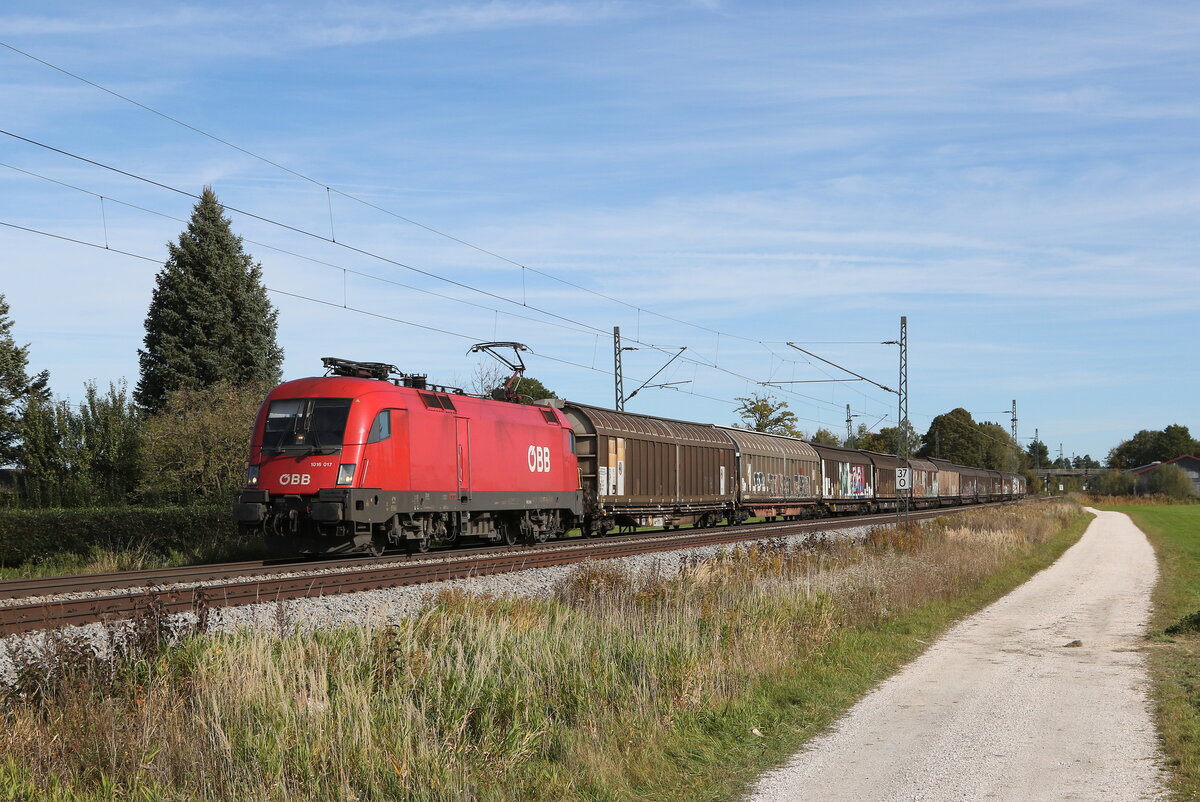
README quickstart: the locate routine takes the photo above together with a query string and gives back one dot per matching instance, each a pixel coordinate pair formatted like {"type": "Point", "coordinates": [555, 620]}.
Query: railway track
{"type": "Point", "coordinates": [179, 590]}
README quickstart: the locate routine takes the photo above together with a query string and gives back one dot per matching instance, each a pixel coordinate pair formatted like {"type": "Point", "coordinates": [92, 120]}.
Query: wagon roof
{"type": "Point", "coordinates": [625, 424]}
{"type": "Point", "coordinates": [843, 454]}
{"type": "Point", "coordinates": [774, 444]}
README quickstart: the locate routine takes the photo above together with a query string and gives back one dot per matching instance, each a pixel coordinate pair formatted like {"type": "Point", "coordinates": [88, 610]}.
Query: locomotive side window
{"type": "Point", "coordinates": [381, 427]}
{"type": "Point", "coordinates": [306, 424]}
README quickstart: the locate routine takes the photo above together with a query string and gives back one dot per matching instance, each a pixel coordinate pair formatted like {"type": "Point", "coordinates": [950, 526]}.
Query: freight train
{"type": "Point", "coordinates": [365, 458]}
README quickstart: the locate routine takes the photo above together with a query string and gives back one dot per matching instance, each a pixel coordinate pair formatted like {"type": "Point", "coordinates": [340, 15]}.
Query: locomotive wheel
{"type": "Point", "coordinates": [510, 534]}
{"type": "Point", "coordinates": [378, 545]}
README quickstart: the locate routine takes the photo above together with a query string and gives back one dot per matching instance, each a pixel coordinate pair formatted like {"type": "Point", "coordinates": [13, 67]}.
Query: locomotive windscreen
{"type": "Point", "coordinates": [306, 425]}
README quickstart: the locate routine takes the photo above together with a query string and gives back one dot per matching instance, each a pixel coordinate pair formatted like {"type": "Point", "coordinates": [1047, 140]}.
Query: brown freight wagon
{"type": "Point", "coordinates": [993, 482]}
{"type": "Point", "coordinates": [972, 484]}
{"type": "Point", "coordinates": [779, 476]}
{"type": "Point", "coordinates": [949, 481]}
{"type": "Point", "coordinates": [639, 470]}
{"type": "Point", "coordinates": [922, 481]}
{"type": "Point", "coordinates": [925, 485]}
{"type": "Point", "coordinates": [885, 478]}
{"type": "Point", "coordinates": [847, 479]}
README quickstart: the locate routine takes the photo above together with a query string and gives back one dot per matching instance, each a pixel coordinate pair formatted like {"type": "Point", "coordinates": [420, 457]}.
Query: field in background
{"type": "Point", "coordinates": [618, 687]}
{"type": "Point", "coordinates": [1174, 653]}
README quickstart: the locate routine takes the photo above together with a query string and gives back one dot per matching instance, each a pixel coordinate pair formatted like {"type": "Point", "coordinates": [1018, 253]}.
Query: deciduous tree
{"type": "Point", "coordinates": [81, 455]}
{"type": "Point", "coordinates": [953, 436]}
{"type": "Point", "coordinates": [763, 413]}
{"type": "Point", "coordinates": [825, 437]}
{"type": "Point", "coordinates": [196, 447]}
{"type": "Point", "coordinates": [1149, 446]}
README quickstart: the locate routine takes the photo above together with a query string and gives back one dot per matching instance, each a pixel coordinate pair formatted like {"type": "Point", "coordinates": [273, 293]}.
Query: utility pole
{"type": "Point", "coordinates": [1016, 443]}
{"type": "Point", "coordinates": [849, 422]}
{"type": "Point", "coordinates": [618, 373]}
{"type": "Point", "coordinates": [619, 404]}
{"type": "Point", "coordinates": [902, 496]}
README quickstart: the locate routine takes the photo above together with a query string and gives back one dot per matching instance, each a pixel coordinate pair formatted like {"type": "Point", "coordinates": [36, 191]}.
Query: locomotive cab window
{"type": "Point", "coordinates": [381, 427]}
{"type": "Point", "coordinates": [306, 425]}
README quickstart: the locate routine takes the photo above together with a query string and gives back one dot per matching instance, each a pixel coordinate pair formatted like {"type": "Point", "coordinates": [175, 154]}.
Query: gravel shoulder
{"type": "Point", "coordinates": [1042, 695]}
{"type": "Point", "coordinates": [367, 608]}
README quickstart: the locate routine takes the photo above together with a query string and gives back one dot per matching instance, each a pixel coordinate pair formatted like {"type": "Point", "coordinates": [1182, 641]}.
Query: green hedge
{"type": "Point", "coordinates": [31, 535]}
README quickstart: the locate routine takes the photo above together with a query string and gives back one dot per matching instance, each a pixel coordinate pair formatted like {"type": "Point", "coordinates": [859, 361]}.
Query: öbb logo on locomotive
{"type": "Point", "coordinates": [539, 459]}
{"type": "Point", "coordinates": [365, 457]}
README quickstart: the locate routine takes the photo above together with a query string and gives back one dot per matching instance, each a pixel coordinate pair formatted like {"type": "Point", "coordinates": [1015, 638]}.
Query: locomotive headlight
{"type": "Point", "coordinates": [346, 473]}
{"type": "Point", "coordinates": [252, 476]}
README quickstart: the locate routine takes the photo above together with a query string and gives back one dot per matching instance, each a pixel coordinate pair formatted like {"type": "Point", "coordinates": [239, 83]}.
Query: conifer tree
{"type": "Point", "coordinates": [16, 387]}
{"type": "Point", "coordinates": [210, 320]}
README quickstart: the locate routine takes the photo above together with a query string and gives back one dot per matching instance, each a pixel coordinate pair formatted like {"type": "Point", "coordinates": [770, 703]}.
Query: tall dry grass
{"type": "Point", "coordinates": [602, 691]}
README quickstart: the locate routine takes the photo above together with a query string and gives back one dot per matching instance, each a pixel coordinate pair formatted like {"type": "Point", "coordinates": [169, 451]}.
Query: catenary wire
{"type": "Point", "coordinates": [349, 196]}
{"type": "Point", "coordinates": [345, 307]}
{"type": "Point", "coordinates": [313, 260]}
{"type": "Point", "coordinates": [710, 364]}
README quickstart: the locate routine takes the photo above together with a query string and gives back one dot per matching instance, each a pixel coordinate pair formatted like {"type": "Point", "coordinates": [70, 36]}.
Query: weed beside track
{"type": "Point", "coordinates": [619, 687]}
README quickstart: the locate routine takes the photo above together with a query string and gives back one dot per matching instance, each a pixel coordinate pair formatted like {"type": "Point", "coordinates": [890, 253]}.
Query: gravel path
{"type": "Point", "coordinates": [1004, 707]}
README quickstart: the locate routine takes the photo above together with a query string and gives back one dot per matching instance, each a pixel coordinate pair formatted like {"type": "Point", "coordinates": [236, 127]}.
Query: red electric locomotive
{"type": "Point", "coordinates": [359, 460]}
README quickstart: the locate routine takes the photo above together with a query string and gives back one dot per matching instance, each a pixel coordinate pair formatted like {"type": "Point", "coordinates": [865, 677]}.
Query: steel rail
{"type": "Point", "coordinates": [147, 577]}
{"type": "Point", "coordinates": [19, 618]}
{"type": "Point", "coordinates": [163, 578]}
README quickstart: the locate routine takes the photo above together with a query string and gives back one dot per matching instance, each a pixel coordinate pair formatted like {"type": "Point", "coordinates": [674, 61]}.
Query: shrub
{"type": "Point", "coordinates": [194, 449]}
{"type": "Point", "coordinates": [35, 535]}
{"type": "Point", "coordinates": [1112, 483]}
{"type": "Point", "coordinates": [1170, 481]}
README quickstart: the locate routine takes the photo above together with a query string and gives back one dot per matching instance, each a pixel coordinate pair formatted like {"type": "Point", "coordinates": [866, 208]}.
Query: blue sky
{"type": "Point", "coordinates": [1020, 179]}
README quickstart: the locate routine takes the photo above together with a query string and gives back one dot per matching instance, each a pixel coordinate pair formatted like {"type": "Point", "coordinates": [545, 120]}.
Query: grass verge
{"type": "Point", "coordinates": [1174, 658]}
{"type": "Point", "coordinates": [619, 686]}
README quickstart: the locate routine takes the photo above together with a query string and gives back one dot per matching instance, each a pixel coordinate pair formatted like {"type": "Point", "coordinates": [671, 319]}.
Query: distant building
{"type": "Point", "coordinates": [1190, 465]}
